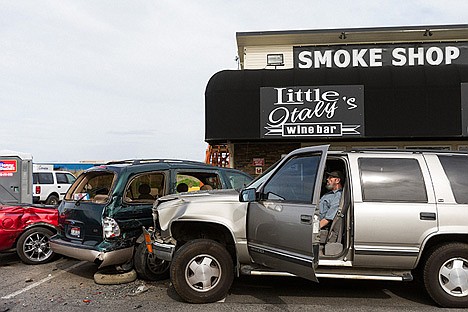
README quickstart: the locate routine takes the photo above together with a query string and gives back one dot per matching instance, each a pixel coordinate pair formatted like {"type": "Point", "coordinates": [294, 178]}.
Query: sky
{"type": "Point", "coordinates": [104, 80]}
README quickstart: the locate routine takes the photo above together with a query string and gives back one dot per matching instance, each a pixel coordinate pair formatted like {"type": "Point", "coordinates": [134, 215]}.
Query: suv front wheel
{"type": "Point", "coordinates": [202, 271]}
{"type": "Point", "coordinates": [148, 266]}
{"type": "Point", "coordinates": [446, 275]}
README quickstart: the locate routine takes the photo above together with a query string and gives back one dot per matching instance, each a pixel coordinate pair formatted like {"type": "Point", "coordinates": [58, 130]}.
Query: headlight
{"type": "Point", "coordinates": [110, 228]}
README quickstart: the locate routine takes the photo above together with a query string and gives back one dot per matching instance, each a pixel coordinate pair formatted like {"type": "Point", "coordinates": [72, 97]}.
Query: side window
{"type": "Point", "coordinates": [145, 188]}
{"type": "Point", "coordinates": [237, 180]}
{"type": "Point", "coordinates": [45, 178]}
{"type": "Point", "coordinates": [392, 179]}
{"type": "Point", "coordinates": [61, 178]}
{"type": "Point", "coordinates": [456, 167]}
{"type": "Point", "coordinates": [295, 180]}
{"type": "Point", "coordinates": [189, 181]}
{"type": "Point", "coordinates": [70, 178]}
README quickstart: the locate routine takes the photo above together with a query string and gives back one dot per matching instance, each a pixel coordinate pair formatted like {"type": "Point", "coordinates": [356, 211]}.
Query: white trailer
{"type": "Point", "coordinates": [15, 177]}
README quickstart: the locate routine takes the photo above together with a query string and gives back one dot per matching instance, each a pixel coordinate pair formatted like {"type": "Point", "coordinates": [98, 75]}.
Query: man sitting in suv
{"type": "Point", "coordinates": [330, 202]}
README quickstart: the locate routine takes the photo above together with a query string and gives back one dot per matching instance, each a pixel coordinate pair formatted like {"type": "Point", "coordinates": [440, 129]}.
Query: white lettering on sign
{"type": "Point", "coordinates": [312, 111]}
{"type": "Point", "coordinates": [373, 57]}
{"type": "Point", "coordinates": [320, 104]}
{"type": "Point", "coordinates": [433, 56]}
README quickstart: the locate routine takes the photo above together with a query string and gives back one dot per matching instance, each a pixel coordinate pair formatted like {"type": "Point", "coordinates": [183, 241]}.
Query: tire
{"type": "Point", "coordinates": [110, 276]}
{"type": "Point", "coordinates": [33, 246]}
{"type": "Point", "coordinates": [446, 275]}
{"type": "Point", "coordinates": [148, 266]}
{"type": "Point", "coordinates": [52, 200]}
{"type": "Point", "coordinates": [202, 271]}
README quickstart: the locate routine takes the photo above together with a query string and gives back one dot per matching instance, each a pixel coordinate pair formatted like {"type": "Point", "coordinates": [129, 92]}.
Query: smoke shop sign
{"type": "Point", "coordinates": [382, 55]}
{"type": "Point", "coordinates": [312, 111]}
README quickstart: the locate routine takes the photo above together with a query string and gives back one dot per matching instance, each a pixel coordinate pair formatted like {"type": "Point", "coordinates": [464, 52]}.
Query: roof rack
{"type": "Point", "coordinates": [410, 150]}
{"type": "Point", "coordinates": [152, 160]}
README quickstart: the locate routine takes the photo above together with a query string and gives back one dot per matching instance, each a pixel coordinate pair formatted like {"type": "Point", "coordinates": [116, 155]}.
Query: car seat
{"type": "Point", "coordinates": [145, 190]}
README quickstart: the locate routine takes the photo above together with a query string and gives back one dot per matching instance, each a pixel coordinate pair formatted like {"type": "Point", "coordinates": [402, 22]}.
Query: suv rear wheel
{"type": "Point", "coordinates": [52, 200]}
{"type": "Point", "coordinates": [202, 271]}
{"type": "Point", "coordinates": [446, 275]}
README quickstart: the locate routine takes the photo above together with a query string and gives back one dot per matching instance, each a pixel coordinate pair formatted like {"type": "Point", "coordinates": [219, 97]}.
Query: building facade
{"type": "Point", "coordinates": [394, 88]}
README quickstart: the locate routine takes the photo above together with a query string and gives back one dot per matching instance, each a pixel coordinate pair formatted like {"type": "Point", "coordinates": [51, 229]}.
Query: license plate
{"type": "Point", "coordinates": [75, 231]}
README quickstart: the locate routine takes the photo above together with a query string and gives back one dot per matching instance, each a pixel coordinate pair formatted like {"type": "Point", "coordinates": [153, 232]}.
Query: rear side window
{"type": "Point", "coordinates": [392, 180]}
{"type": "Point", "coordinates": [189, 181]}
{"type": "Point", "coordinates": [145, 188]}
{"type": "Point", "coordinates": [43, 178]}
{"type": "Point", "coordinates": [65, 178]}
{"type": "Point", "coordinates": [456, 167]}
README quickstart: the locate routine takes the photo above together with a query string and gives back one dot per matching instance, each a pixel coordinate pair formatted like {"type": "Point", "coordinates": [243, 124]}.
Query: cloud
{"type": "Point", "coordinates": [116, 79]}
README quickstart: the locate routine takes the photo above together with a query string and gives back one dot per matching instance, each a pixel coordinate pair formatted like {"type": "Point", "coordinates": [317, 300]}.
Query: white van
{"type": "Point", "coordinates": [49, 187]}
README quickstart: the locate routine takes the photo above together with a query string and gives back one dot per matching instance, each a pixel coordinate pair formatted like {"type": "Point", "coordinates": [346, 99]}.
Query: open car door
{"type": "Point", "coordinates": [282, 221]}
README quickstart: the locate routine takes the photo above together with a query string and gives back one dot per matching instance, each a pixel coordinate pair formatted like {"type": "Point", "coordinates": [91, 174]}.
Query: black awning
{"type": "Point", "coordinates": [399, 102]}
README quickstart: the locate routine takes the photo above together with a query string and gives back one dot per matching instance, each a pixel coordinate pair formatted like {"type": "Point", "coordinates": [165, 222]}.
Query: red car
{"type": "Point", "coordinates": [28, 229]}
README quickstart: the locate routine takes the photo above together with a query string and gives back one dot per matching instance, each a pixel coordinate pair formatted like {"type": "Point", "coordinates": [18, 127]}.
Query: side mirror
{"type": "Point", "coordinates": [247, 195]}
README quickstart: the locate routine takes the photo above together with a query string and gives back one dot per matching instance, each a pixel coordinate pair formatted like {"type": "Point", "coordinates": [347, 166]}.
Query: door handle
{"type": "Point", "coordinates": [427, 216]}
{"type": "Point", "coordinates": [306, 219]}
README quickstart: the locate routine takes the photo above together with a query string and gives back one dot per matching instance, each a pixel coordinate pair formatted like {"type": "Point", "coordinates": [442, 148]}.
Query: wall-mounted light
{"type": "Point", "coordinates": [275, 59]}
{"type": "Point", "coordinates": [427, 33]}
{"type": "Point", "coordinates": [342, 36]}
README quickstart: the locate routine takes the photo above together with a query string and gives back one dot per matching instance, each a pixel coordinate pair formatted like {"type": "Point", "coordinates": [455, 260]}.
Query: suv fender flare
{"type": "Point", "coordinates": [437, 239]}
{"type": "Point", "coordinates": [195, 226]}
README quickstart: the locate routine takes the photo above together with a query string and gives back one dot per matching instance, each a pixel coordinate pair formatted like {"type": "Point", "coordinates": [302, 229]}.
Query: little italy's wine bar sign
{"type": "Point", "coordinates": [312, 111]}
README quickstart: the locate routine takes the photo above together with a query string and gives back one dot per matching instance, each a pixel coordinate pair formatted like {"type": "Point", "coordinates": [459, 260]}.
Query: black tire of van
{"type": "Point", "coordinates": [148, 266]}
{"type": "Point", "coordinates": [52, 200]}
{"type": "Point", "coordinates": [446, 264]}
{"type": "Point", "coordinates": [209, 257]}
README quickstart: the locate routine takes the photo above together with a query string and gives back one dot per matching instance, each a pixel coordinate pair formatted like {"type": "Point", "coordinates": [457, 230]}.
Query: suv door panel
{"type": "Point", "coordinates": [374, 220]}
{"type": "Point", "coordinates": [280, 228]}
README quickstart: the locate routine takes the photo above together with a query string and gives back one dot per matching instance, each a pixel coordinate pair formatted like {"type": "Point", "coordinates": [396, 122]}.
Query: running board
{"type": "Point", "coordinates": [397, 278]}
{"type": "Point", "coordinates": [359, 274]}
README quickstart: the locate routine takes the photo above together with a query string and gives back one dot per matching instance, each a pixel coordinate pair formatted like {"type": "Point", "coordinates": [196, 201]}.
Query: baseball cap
{"type": "Point", "coordinates": [336, 174]}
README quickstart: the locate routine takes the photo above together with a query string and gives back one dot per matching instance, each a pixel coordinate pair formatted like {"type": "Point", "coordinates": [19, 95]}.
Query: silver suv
{"type": "Point", "coordinates": [402, 214]}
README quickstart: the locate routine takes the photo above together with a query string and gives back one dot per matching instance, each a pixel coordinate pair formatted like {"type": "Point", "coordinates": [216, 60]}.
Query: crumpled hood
{"type": "Point", "coordinates": [215, 195]}
{"type": "Point", "coordinates": [196, 205]}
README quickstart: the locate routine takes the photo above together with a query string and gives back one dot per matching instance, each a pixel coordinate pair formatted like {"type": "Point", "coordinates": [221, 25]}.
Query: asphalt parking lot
{"type": "Point", "coordinates": [68, 285]}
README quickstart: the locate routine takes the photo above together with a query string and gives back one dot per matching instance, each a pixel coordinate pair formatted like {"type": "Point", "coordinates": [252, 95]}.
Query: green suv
{"type": "Point", "coordinates": [104, 211]}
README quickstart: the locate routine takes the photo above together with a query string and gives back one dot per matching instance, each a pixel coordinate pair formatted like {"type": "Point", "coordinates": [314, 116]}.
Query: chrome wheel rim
{"type": "Point", "coordinates": [453, 277]}
{"type": "Point", "coordinates": [203, 273]}
{"type": "Point", "coordinates": [36, 247]}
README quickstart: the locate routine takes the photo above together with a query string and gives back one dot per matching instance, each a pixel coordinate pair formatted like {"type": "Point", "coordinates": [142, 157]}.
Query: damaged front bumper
{"type": "Point", "coordinates": [103, 254]}
{"type": "Point", "coordinates": [161, 250]}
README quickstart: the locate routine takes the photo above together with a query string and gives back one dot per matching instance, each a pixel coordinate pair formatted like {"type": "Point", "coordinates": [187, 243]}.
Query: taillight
{"type": "Point", "coordinates": [38, 189]}
{"type": "Point", "coordinates": [110, 228]}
